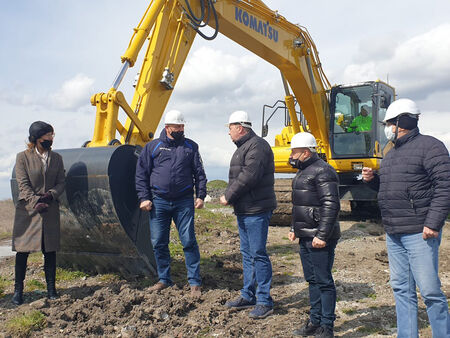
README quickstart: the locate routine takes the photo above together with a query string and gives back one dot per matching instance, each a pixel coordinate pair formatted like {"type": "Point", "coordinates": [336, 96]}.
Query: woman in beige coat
{"type": "Point", "coordinates": [40, 179]}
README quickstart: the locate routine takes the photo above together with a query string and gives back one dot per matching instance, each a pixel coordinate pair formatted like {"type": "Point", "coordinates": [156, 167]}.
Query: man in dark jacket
{"type": "Point", "coordinates": [413, 187]}
{"type": "Point", "coordinates": [167, 171]}
{"type": "Point", "coordinates": [250, 191]}
{"type": "Point", "coordinates": [315, 199]}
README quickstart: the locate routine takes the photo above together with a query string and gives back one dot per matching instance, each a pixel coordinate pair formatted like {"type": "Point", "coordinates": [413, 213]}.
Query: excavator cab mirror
{"type": "Point", "coordinates": [385, 100]}
{"type": "Point", "coordinates": [265, 130]}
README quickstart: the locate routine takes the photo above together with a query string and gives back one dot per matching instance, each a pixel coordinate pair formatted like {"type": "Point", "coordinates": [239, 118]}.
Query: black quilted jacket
{"type": "Point", "coordinates": [315, 199]}
{"type": "Point", "coordinates": [414, 184]}
{"type": "Point", "coordinates": [251, 176]}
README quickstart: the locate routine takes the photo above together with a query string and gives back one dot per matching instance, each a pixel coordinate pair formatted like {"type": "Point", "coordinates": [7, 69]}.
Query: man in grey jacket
{"type": "Point", "coordinates": [414, 197]}
{"type": "Point", "coordinates": [250, 191]}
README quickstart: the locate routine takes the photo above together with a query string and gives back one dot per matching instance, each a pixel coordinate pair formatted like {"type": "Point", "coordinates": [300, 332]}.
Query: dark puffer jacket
{"type": "Point", "coordinates": [315, 199]}
{"type": "Point", "coordinates": [251, 177]}
{"type": "Point", "coordinates": [414, 184]}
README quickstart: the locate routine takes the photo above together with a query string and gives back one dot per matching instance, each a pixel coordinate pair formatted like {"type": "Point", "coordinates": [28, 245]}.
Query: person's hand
{"type": "Point", "coordinates": [367, 174]}
{"type": "Point", "coordinates": [429, 233]}
{"type": "Point", "coordinates": [146, 205]}
{"type": "Point", "coordinates": [198, 203]}
{"type": "Point", "coordinates": [46, 198]}
{"type": "Point", "coordinates": [223, 200]}
{"type": "Point", "coordinates": [41, 207]}
{"type": "Point", "coordinates": [291, 236]}
{"type": "Point", "coordinates": [318, 243]}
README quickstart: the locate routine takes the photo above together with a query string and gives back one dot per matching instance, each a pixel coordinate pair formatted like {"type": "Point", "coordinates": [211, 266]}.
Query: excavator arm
{"type": "Point", "coordinates": [171, 26]}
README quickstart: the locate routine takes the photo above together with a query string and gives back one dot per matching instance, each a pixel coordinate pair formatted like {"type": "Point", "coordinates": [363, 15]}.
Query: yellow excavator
{"type": "Point", "coordinates": [102, 227]}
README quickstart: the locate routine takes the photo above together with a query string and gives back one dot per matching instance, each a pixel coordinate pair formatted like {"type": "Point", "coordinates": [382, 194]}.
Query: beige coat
{"type": "Point", "coordinates": [31, 227]}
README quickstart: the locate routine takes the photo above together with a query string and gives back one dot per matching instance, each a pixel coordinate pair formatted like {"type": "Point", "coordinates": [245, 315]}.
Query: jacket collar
{"type": "Point", "coordinates": [314, 157]}
{"type": "Point", "coordinates": [245, 138]}
{"type": "Point", "coordinates": [163, 137]}
{"type": "Point", "coordinates": [402, 140]}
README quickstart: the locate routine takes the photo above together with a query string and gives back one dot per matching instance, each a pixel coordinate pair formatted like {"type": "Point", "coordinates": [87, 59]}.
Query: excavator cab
{"type": "Point", "coordinates": [356, 128]}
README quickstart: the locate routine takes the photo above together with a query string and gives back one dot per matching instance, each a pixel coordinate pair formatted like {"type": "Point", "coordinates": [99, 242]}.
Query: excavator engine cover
{"type": "Point", "coordinates": [102, 227]}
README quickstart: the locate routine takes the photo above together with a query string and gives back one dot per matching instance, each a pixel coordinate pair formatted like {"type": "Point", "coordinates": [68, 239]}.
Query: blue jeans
{"type": "Point", "coordinates": [415, 260]}
{"type": "Point", "coordinates": [317, 265]}
{"type": "Point", "coordinates": [253, 230]}
{"type": "Point", "coordinates": [182, 213]}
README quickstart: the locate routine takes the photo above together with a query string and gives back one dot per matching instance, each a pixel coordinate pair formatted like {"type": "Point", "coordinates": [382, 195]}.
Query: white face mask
{"type": "Point", "coordinates": [390, 135]}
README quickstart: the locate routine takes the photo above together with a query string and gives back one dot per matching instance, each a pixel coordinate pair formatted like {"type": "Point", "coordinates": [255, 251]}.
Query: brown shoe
{"type": "Point", "coordinates": [196, 291]}
{"type": "Point", "coordinates": [158, 287]}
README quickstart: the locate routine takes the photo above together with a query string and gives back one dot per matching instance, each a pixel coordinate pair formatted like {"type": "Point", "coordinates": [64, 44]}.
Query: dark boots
{"type": "Point", "coordinates": [50, 274]}
{"type": "Point", "coordinates": [20, 270]}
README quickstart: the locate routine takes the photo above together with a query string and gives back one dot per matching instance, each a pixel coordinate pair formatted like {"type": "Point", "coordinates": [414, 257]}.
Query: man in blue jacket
{"type": "Point", "coordinates": [167, 171]}
{"type": "Point", "coordinates": [413, 187]}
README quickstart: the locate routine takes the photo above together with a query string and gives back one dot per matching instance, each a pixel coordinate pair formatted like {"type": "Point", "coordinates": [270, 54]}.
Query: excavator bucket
{"type": "Point", "coordinates": [102, 227]}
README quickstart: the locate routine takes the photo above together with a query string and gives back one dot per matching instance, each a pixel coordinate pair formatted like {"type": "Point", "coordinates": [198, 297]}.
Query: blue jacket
{"type": "Point", "coordinates": [170, 169]}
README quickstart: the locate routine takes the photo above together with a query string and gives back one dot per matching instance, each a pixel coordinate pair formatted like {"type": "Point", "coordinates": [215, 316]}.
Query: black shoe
{"type": "Point", "coordinates": [240, 303]}
{"type": "Point", "coordinates": [324, 332]}
{"type": "Point", "coordinates": [18, 296]}
{"type": "Point", "coordinates": [309, 329]}
{"type": "Point", "coordinates": [51, 293]}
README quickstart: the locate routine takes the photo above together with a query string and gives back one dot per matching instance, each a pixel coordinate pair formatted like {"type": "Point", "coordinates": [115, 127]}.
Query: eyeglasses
{"type": "Point", "coordinates": [50, 134]}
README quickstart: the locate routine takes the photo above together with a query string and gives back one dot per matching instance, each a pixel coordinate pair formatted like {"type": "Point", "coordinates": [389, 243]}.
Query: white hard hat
{"type": "Point", "coordinates": [174, 117]}
{"type": "Point", "coordinates": [303, 140]}
{"type": "Point", "coordinates": [366, 108]}
{"type": "Point", "coordinates": [400, 107]}
{"type": "Point", "coordinates": [240, 117]}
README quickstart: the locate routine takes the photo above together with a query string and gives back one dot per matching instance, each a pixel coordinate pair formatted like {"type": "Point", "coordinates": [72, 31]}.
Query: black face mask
{"type": "Point", "coordinates": [177, 135]}
{"type": "Point", "coordinates": [46, 144]}
{"type": "Point", "coordinates": [295, 163]}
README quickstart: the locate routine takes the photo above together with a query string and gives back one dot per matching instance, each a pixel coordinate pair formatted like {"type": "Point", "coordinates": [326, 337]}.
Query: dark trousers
{"type": "Point", "coordinates": [49, 267]}
{"type": "Point", "coordinates": [317, 265]}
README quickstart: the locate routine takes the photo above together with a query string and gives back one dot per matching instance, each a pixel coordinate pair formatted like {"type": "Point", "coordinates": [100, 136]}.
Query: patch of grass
{"type": "Point", "coordinates": [206, 220]}
{"type": "Point", "coordinates": [281, 249]}
{"type": "Point", "coordinates": [109, 278]}
{"type": "Point", "coordinates": [24, 324]}
{"type": "Point", "coordinates": [176, 249]}
{"type": "Point", "coordinates": [35, 257]}
{"type": "Point", "coordinates": [216, 184]}
{"type": "Point", "coordinates": [4, 283]}
{"type": "Point", "coordinates": [63, 275]}
{"type": "Point", "coordinates": [362, 226]}
{"type": "Point", "coordinates": [204, 332]}
{"type": "Point", "coordinates": [5, 235]}
{"type": "Point", "coordinates": [372, 295]}
{"type": "Point", "coordinates": [333, 270]}
{"type": "Point", "coordinates": [349, 311]}
{"type": "Point", "coordinates": [34, 284]}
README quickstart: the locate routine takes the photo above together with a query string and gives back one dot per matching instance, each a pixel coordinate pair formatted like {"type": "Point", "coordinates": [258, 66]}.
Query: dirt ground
{"type": "Point", "coordinates": [108, 305]}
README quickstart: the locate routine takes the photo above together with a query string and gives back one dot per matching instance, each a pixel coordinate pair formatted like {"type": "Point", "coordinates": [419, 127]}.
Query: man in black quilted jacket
{"type": "Point", "coordinates": [315, 199]}
{"type": "Point", "coordinates": [250, 191]}
{"type": "Point", "coordinates": [413, 187]}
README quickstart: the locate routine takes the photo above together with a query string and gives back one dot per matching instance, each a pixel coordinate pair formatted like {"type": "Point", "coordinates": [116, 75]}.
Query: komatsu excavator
{"type": "Point", "coordinates": [102, 227]}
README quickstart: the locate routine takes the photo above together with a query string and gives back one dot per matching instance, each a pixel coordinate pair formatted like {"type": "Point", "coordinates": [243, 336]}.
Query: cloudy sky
{"type": "Point", "coordinates": [56, 54]}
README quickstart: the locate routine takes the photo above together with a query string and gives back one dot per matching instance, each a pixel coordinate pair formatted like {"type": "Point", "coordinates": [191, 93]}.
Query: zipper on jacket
{"type": "Point", "coordinates": [411, 201]}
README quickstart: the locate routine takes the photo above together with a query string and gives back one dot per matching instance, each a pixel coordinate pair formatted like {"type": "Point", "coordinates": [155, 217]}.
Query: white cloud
{"type": "Point", "coordinates": [417, 67]}
{"type": "Point", "coordinates": [73, 94]}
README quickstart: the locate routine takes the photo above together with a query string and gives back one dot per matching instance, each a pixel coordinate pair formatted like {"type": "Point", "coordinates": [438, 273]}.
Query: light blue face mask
{"type": "Point", "coordinates": [390, 135]}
